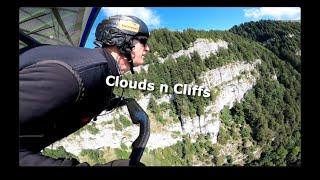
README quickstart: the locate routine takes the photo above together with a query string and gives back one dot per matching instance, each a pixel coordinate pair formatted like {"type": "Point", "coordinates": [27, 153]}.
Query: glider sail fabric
{"type": "Point", "coordinates": [56, 25]}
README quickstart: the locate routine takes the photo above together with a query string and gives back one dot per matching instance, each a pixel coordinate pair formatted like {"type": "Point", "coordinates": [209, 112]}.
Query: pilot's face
{"type": "Point", "coordinates": [139, 50]}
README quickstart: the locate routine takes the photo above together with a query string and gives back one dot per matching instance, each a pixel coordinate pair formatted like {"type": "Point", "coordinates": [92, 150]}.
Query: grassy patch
{"type": "Point", "coordinates": [60, 152]}
{"type": "Point", "coordinates": [124, 121]}
{"type": "Point", "coordinates": [95, 156]}
{"type": "Point", "coordinates": [122, 154]}
{"type": "Point", "coordinates": [92, 129]}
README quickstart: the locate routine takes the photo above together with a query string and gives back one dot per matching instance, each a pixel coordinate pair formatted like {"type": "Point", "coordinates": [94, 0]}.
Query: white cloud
{"type": "Point", "coordinates": [278, 13]}
{"type": "Point", "coordinates": [146, 14]}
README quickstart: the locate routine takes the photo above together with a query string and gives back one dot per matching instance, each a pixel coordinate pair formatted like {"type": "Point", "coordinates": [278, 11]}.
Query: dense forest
{"type": "Point", "coordinates": [275, 106]}
{"type": "Point", "coordinates": [282, 38]}
{"type": "Point", "coordinates": [269, 116]}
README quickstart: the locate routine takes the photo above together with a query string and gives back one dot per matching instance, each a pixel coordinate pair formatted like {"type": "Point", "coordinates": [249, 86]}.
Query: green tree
{"type": "Point", "coordinates": [124, 121]}
{"type": "Point", "coordinates": [60, 152]}
{"type": "Point", "coordinates": [153, 106]}
{"type": "Point", "coordinates": [95, 155]}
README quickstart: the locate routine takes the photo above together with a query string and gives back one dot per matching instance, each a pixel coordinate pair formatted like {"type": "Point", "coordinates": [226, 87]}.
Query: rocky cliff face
{"type": "Point", "coordinates": [204, 47]}
{"type": "Point", "coordinates": [229, 83]}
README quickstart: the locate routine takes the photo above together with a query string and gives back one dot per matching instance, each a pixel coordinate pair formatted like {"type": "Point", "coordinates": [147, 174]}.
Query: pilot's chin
{"type": "Point", "coordinates": [138, 64]}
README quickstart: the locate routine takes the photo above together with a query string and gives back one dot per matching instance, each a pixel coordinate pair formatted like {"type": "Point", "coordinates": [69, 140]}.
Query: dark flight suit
{"type": "Point", "coordinates": [61, 89]}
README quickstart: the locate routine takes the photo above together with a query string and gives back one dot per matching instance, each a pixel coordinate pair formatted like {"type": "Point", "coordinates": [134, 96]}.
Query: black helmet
{"type": "Point", "coordinates": [120, 30]}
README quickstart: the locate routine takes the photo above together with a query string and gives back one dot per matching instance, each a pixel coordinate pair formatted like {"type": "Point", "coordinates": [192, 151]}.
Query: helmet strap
{"type": "Point", "coordinates": [129, 59]}
{"type": "Point", "coordinates": [126, 49]}
{"type": "Point", "coordinates": [98, 44]}
{"type": "Point", "coordinates": [131, 66]}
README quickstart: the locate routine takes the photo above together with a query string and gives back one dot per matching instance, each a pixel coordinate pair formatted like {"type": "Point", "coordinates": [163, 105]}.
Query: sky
{"type": "Point", "coordinates": [200, 18]}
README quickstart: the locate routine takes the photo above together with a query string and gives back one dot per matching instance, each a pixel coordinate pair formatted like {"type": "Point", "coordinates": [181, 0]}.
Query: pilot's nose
{"type": "Point", "coordinates": [146, 47]}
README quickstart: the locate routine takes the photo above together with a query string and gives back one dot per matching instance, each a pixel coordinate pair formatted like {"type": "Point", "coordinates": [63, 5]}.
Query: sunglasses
{"type": "Point", "coordinates": [142, 39]}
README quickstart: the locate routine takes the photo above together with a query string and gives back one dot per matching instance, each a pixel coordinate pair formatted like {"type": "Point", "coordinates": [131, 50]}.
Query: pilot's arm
{"type": "Point", "coordinates": [43, 89]}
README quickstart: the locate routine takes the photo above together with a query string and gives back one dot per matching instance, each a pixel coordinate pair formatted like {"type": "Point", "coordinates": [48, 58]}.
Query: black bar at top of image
{"type": "Point", "coordinates": [165, 3]}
